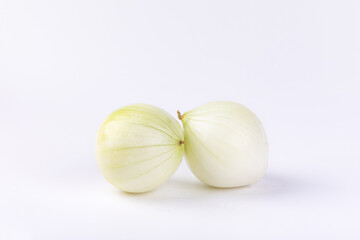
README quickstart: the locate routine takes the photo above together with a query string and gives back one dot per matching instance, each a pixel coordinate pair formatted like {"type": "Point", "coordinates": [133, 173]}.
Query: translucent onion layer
{"type": "Point", "coordinates": [139, 147]}
{"type": "Point", "coordinates": [225, 144]}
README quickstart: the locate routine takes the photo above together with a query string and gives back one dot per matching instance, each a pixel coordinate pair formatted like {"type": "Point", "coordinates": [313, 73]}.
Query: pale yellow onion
{"type": "Point", "coordinates": [225, 144]}
{"type": "Point", "coordinates": [139, 147]}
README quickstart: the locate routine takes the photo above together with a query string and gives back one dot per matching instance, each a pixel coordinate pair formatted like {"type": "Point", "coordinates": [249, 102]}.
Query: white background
{"type": "Point", "coordinates": [65, 65]}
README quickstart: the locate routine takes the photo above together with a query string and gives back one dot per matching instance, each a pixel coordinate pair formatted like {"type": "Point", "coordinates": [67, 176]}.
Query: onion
{"type": "Point", "coordinates": [225, 144]}
{"type": "Point", "coordinates": [139, 147]}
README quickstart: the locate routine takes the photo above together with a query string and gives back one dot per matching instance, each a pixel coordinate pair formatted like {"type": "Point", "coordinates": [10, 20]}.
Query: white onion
{"type": "Point", "coordinates": [225, 144]}
{"type": "Point", "coordinates": [139, 147]}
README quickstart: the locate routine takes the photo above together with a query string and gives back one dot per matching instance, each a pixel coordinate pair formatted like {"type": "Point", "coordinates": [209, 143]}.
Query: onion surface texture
{"type": "Point", "coordinates": [225, 144]}
{"type": "Point", "coordinates": [139, 147]}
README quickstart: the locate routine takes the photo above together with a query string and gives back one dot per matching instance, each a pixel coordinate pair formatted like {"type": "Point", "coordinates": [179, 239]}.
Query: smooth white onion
{"type": "Point", "coordinates": [225, 144]}
{"type": "Point", "coordinates": [139, 147]}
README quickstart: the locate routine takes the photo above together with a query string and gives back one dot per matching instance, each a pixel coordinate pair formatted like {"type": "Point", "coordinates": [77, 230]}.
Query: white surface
{"type": "Point", "coordinates": [65, 65]}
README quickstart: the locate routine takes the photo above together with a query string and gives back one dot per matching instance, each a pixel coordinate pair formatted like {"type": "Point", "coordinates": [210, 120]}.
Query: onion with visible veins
{"type": "Point", "coordinates": [138, 147]}
{"type": "Point", "coordinates": [225, 144]}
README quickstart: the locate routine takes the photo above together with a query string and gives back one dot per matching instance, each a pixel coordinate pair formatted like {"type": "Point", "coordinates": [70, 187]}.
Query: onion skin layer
{"type": "Point", "coordinates": [139, 147]}
{"type": "Point", "coordinates": [225, 144]}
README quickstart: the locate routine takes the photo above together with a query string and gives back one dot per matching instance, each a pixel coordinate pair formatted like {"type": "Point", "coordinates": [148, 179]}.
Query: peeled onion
{"type": "Point", "coordinates": [225, 144]}
{"type": "Point", "coordinates": [139, 147]}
